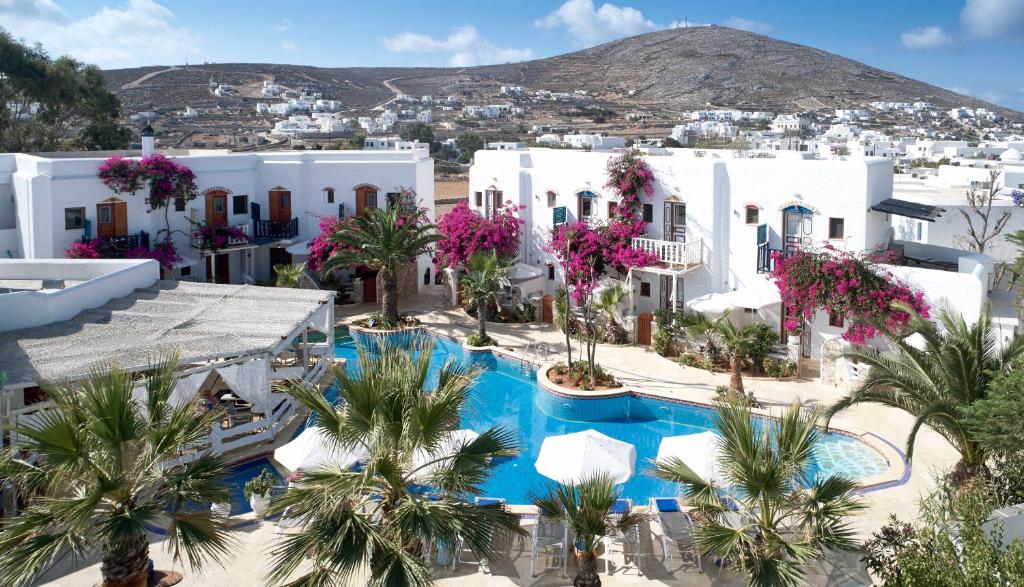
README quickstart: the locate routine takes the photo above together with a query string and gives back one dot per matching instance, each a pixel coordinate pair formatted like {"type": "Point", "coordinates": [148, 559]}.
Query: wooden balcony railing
{"type": "Point", "coordinates": [276, 229]}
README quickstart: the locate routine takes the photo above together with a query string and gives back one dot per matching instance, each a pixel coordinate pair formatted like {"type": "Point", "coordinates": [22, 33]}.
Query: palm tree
{"type": "Point", "coordinates": [382, 515]}
{"type": "Point", "coordinates": [487, 274]}
{"type": "Point", "coordinates": [103, 474]}
{"type": "Point", "coordinates": [385, 240]}
{"type": "Point", "coordinates": [699, 325]}
{"type": "Point", "coordinates": [785, 519]}
{"type": "Point", "coordinates": [608, 301]}
{"type": "Point", "coordinates": [586, 507]}
{"type": "Point", "coordinates": [288, 275]}
{"type": "Point", "coordinates": [950, 370]}
{"type": "Point", "coordinates": [734, 339]}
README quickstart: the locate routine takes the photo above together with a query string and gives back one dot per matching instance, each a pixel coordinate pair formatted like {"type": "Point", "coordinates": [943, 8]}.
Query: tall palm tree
{"type": "Point", "coordinates": [487, 274]}
{"type": "Point", "coordinates": [608, 301]}
{"type": "Point", "coordinates": [103, 474]}
{"type": "Point", "coordinates": [288, 275]}
{"type": "Point", "coordinates": [699, 325]}
{"type": "Point", "coordinates": [934, 383]}
{"type": "Point", "coordinates": [586, 509]}
{"type": "Point", "coordinates": [785, 519]}
{"type": "Point", "coordinates": [383, 516]}
{"type": "Point", "coordinates": [385, 239]}
{"type": "Point", "coordinates": [734, 339]}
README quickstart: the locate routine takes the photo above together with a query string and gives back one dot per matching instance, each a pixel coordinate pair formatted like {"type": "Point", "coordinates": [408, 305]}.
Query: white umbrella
{"type": "Point", "coordinates": [314, 449]}
{"type": "Point", "coordinates": [699, 452]}
{"type": "Point", "coordinates": [299, 248]}
{"type": "Point", "coordinates": [756, 297]}
{"type": "Point", "coordinates": [712, 303]}
{"type": "Point", "coordinates": [570, 458]}
{"type": "Point", "coordinates": [450, 445]}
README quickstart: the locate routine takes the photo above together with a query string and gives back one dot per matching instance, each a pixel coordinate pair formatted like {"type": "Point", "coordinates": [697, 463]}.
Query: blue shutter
{"type": "Point", "coordinates": [762, 233]}
{"type": "Point", "coordinates": [558, 216]}
{"type": "Point", "coordinates": [255, 208]}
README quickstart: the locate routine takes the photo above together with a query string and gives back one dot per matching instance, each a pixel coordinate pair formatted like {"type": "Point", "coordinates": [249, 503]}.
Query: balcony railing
{"type": "Point", "coordinates": [673, 253]}
{"type": "Point", "coordinates": [120, 244]}
{"type": "Point", "coordinates": [276, 229]}
{"type": "Point", "coordinates": [765, 258]}
{"type": "Point", "coordinates": [206, 243]}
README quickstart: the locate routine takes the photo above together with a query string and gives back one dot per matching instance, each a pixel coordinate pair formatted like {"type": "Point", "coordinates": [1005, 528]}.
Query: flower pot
{"type": "Point", "coordinates": [793, 340]}
{"type": "Point", "coordinates": [221, 509]}
{"type": "Point", "coordinates": [259, 504]}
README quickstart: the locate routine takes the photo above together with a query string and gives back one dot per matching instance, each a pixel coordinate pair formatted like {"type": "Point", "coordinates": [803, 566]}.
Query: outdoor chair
{"type": "Point", "coordinates": [460, 550]}
{"type": "Point", "coordinates": [676, 528]}
{"type": "Point", "coordinates": [617, 540]}
{"type": "Point", "coordinates": [549, 534]}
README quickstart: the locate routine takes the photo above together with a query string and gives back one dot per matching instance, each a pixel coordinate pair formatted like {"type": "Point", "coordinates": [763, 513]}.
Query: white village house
{"type": "Point", "coordinates": [275, 198]}
{"type": "Point", "coordinates": [714, 220]}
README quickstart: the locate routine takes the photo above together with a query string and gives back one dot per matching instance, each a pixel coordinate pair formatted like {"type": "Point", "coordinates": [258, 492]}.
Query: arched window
{"type": "Point", "coordinates": [753, 214]}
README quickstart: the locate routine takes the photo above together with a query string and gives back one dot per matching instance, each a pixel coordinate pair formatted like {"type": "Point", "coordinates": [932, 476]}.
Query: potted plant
{"type": "Point", "coordinates": [257, 491]}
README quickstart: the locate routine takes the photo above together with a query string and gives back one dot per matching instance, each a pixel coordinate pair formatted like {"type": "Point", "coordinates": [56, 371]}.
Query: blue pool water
{"type": "Point", "coordinates": [507, 394]}
{"type": "Point", "coordinates": [241, 473]}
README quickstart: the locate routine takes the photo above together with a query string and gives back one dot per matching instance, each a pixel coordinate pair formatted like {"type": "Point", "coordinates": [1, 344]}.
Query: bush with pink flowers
{"type": "Point", "coordinates": [164, 252]}
{"type": "Point", "coordinates": [217, 235]}
{"type": "Point", "coordinates": [464, 232]}
{"type": "Point", "coordinates": [322, 247]}
{"type": "Point", "coordinates": [167, 178]}
{"type": "Point", "coordinates": [83, 249]}
{"type": "Point", "coordinates": [846, 284]}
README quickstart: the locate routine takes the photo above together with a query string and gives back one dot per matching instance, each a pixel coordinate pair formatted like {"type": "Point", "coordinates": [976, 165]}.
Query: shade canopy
{"type": "Point", "coordinates": [449, 446]}
{"type": "Point", "coordinates": [570, 458]}
{"type": "Point", "coordinates": [757, 297]}
{"type": "Point", "coordinates": [314, 449]}
{"type": "Point", "coordinates": [699, 452]}
{"type": "Point", "coordinates": [909, 209]}
{"type": "Point", "coordinates": [524, 272]}
{"type": "Point", "coordinates": [300, 248]}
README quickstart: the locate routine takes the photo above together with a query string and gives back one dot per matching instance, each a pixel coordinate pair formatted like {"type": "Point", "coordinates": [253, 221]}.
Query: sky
{"type": "Point", "coordinates": [969, 46]}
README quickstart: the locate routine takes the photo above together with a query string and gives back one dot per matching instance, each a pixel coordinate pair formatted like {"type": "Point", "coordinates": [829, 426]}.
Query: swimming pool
{"type": "Point", "coordinates": [507, 394]}
{"type": "Point", "coordinates": [239, 474]}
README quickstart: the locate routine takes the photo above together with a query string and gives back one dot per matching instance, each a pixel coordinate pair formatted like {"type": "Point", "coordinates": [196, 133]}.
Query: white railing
{"type": "Point", "coordinates": [685, 254]}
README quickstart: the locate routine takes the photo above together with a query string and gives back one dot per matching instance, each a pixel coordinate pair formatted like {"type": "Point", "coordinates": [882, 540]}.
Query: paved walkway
{"type": "Point", "coordinates": [639, 367]}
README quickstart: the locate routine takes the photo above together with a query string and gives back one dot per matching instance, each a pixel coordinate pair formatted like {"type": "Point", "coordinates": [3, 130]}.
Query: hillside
{"type": "Point", "coordinates": [671, 69]}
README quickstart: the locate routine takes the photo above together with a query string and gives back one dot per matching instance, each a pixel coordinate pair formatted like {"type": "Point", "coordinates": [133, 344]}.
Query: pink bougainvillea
{"type": "Point", "coordinates": [164, 252]}
{"type": "Point", "coordinates": [217, 235]}
{"type": "Point", "coordinates": [463, 232]}
{"type": "Point", "coordinates": [847, 284]}
{"type": "Point", "coordinates": [83, 249]}
{"type": "Point", "coordinates": [321, 247]}
{"type": "Point", "coordinates": [167, 178]}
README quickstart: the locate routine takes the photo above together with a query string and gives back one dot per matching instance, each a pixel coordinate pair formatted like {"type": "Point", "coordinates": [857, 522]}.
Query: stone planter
{"type": "Point", "coordinates": [259, 504]}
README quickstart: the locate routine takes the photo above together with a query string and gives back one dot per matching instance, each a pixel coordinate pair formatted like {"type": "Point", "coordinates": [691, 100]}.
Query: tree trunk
{"type": "Point", "coordinates": [389, 295]}
{"type": "Point", "coordinates": [736, 372]}
{"type": "Point", "coordinates": [125, 564]}
{"type": "Point", "coordinates": [586, 571]}
{"type": "Point", "coordinates": [481, 316]}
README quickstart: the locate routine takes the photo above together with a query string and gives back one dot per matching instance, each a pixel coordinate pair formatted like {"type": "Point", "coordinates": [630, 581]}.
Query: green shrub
{"type": "Point", "coordinates": [579, 375]}
{"type": "Point", "coordinates": [757, 341]}
{"type": "Point", "coordinates": [259, 485]}
{"type": "Point", "coordinates": [480, 340]}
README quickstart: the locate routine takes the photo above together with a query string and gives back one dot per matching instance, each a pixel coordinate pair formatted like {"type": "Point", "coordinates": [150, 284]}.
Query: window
{"type": "Point", "coordinates": [835, 320]}
{"type": "Point", "coordinates": [586, 207]}
{"type": "Point", "coordinates": [648, 213]}
{"type": "Point", "coordinates": [552, 199]}
{"type": "Point", "coordinates": [74, 218]}
{"type": "Point", "coordinates": [551, 271]}
{"type": "Point", "coordinates": [752, 214]}
{"type": "Point", "coordinates": [645, 289]}
{"type": "Point", "coordinates": [393, 199]}
{"type": "Point", "coordinates": [329, 194]}
{"type": "Point", "coordinates": [179, 204]}
{"type": "Point", "coordinates": [478, 199]}
{"type": "Point", "coordinates": [286, 200]}
{"type": "Point", "coordinates": [239, 204]}
{"type": "Point", "coordinates": [218, 204]}
{"type": "Point", "coordinates": [104, 214]}
{"type": "Point", "coordinates": [493, 201]}
{"type": "Point", "coordinates": [186, 271]}
{"type": "Point", "coordinates": [835, 227]}
{"type": "Point", "coordinates": [920, 231]}
{"type": "Point", "coordinates": [371, 199]}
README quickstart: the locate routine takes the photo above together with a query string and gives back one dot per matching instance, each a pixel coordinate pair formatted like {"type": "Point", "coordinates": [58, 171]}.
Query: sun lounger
{"type": "Point", "coordinates": [618, 541]}
{"type": "Point", "coordinates": [676, 528]}
{"type": "Point", "coordinates": [549, 534]}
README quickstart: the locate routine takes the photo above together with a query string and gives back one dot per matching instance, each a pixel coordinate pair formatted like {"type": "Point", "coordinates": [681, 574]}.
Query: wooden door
{"type": "Point", "coordinates": [366, 200]}
{"type": "Point", "coordinates": [218, 268]}
{"type": "Point", "coordinates": [797, 227]}
{"type": "Point", "coordinates": [675, 222]}
{"type": "Point", "coordinates": [216, 208]}
{"type": "Point", "coordinates": [279, 256]}
{"type": "Point", "coordinates": [643, 328]}
{"type": "Point", "coordinates": [548, 308]}
{"type": "Point", "coordinates": [281, 205]}
{"type": "Point", "coordinates": [370, 289]}
{"type": "Point", "coordinates": [111, 219]}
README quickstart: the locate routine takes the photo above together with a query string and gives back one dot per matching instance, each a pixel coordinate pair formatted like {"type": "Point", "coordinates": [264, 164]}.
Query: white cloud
{"type": "Point", "coordinates": [465, 44]}
{"type": "Point", "coordinates": [744, 24]}
{"type": "Point", "coordinates": [284, 26]}
{"type": "Point", "coordinates": [591, 25]}
{"type": "Point", "coordinates": [288, 46]}
{"type": "Point", "coordinates": [135, 33]}
{"type": "Point", "coordinates": [926, 37]}
{"type": "Point", "coordinates": [993, 19]}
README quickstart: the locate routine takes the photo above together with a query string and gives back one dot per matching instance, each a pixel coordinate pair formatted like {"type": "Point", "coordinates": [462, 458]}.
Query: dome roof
{"type": "Point", "coordinates": [1011, 155]}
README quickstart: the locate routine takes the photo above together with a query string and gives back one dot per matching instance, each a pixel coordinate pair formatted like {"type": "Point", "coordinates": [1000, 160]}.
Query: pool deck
{"type": "Point", "coordinates": [642, 370]}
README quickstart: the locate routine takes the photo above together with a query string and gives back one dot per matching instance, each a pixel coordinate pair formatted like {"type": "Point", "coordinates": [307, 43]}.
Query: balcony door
{"type": "Point", "coordinates": [280, 205]}
{"type": "Point", "coordinates": [586, 209]}
{"type": "Point", "coordinates": [366, 199]}
{"type": "Point", "coordinates": [797, 227]}
{"type": "Point", "coordinates": [675, 222]}
{"type": "Point", "coordinates": [111, 218]}
{"type": "Point", "coordinates": [216, 207]}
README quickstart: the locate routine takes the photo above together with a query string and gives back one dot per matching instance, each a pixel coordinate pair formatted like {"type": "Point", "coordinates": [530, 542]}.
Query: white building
{"type": "Point", "coordinates": [270, 89]}
{"type": "Point", "coordinates": [274, 198]}
{"type": "Point", "coordinates": [425, 116]}
{"type": "Point", "coordinates": [393, 144]}
{"type": "Point", "coordinates": [505, 146]}
{"type": "Point", "coordinates": [515, 91]}
{"type": "Point", "coordinates": [594, 142]}
{"type": "Point", "coordinates": [790, 123]}
{"type": "Point", "coordinates": [704, 128]}
{"type": "Point", "coordinates": [714, 221]}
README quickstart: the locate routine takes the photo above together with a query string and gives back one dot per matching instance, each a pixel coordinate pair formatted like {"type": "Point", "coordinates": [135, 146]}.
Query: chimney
{"type": "Point", "coordinates": [148, 141]}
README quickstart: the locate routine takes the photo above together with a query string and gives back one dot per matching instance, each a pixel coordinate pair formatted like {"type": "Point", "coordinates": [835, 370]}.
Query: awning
{"type": "Point", "coordinates": [185, 262]}
{"type": "Point", "coordinates": [301, 248]}
{"type": "Point", "coordinates": [909, 209]}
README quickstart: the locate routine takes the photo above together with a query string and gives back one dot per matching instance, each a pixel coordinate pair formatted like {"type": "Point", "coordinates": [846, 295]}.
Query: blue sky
{"type": "Point", "coordinates": [971, 46]}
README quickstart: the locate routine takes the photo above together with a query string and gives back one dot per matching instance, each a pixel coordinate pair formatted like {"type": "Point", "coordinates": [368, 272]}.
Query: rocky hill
{"type": "Point", "coordinates": [672, 69]}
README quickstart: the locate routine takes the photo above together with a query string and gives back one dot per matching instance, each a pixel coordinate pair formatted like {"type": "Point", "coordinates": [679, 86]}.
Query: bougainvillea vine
{"type": "Point", "coordinates": [464, 232]}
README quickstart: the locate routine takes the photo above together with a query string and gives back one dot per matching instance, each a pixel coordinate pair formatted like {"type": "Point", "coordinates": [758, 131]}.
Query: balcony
{"type": "Point", "coordinates": [222, 237]}
{"type": "Point", "coordinates": [765, 259]}
{"type": "Point", "coordinates": [679, 257]}
{"type": "Point", "coordinates": [110, 245]}
{"type": "Point", "coordinates": [272, 230]}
